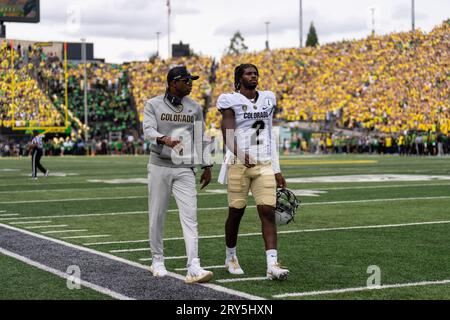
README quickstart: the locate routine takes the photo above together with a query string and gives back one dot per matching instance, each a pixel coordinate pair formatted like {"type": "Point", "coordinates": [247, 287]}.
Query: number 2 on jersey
{"type": "Point", "coordinates": [256, 139]}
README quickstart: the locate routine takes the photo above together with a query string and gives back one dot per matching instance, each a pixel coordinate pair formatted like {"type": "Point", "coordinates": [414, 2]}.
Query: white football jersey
{"type": "Point", "coordinates": [253, 122]}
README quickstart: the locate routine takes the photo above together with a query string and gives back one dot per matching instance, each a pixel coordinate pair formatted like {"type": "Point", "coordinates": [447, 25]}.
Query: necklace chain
{"type": "Point", "coordinates": [253, 100]}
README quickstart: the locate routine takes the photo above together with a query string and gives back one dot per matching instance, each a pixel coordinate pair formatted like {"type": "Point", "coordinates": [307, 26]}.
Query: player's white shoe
{"type": "Point", "coordinates": [276, 272]}
{"type": "Point", "coordinates": [158, 270]}
{"type": "Point", "coordinates": [197, 274]}
{"type": "Point", "coordinates": [47, 173]}
{"type": "Point", "coordinates": [233, 267]}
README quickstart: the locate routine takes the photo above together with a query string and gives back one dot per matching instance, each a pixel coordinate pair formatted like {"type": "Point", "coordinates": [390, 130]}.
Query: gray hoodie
{"type": "Point", "coordinates": [185, 122]}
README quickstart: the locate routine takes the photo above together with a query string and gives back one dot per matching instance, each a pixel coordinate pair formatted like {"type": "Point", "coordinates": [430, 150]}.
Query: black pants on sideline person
{"type": "Point", "coordinates": [36, 163]}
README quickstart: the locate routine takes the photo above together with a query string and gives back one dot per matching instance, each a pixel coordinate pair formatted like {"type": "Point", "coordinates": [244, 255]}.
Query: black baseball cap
{"type": "Point", "coordinates": [178, 73]}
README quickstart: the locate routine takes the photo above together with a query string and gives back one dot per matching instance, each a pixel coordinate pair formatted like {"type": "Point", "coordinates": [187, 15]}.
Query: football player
{"type": "Point", "coordinates": [251, 163]}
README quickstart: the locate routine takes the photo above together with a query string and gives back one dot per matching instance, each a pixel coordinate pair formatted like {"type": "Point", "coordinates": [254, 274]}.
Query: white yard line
{"type": "Point", "coordinates": [9, 215]}
{"type": "Point", "coordinates": [220, 194]}
{"type": "Point", "coordinates": [386, 186]}
{"type": "Point", "coordinates": [66, 276]}
{"type": "Point", "coordinates": [284, 232]}
{"type": "Point", "coordinates": [76, 200]}
{"type": "Point", "coordinates": [68, 190]}
{"type": "Point", "coordinates": [46, 227]}
{"type": "Point", "coordinates": [207, 268]}
{"type": "Point", "coordinates": [131, 263]}
{"type": "Point", "coordinates": [200, 194]}
{"type": "Point", "coordinates": [226, 208]}
{"type": "Point", "coordinates": [115, 242]}
{"type": "Point", "coordinates": [348, 290]}
{"type": "Point", "coordinates": [242, 280]}
{"type": "Point", "coordinates": [325, 230]}
{"type": "Point", "coordinates": [165, 258]}
{"type": "Point", "coordinates": [63, 231]}
{"type": "Point", "coordinates": [87, 237]}
{"type": "Point", "coordinates": [130, 250]}
{"type": "Point", "coordinates": [78, 215]}
{"type": "Point", "coordinates": [223, 208]}
{"type": "Point", "coordinates": [30, 222]}
{"type": "Point", "coordinates": [215, 194]}
{"type": "Point", "coordinates": [28, 184]}
{"type": "Point", "coordinates": [376, 200]}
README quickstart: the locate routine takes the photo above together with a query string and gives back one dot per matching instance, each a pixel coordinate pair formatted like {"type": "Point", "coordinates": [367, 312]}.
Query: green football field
{"type": "Point", "coordinates": [358, 214]}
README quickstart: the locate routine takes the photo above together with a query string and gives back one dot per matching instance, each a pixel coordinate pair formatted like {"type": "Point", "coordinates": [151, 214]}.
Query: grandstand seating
{"type": "Point", "coordinates": [385, 84]}
{"type": "Point", "coordinates": [148, 79]}
{"type": "Point", "coordinates": [31, 107]}
{"type": "Point", "coordinates": [382, 85]}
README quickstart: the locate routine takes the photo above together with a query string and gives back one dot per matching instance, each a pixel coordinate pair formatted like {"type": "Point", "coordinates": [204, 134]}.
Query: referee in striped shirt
{"type": "Point", "coordinates": [36, 148]}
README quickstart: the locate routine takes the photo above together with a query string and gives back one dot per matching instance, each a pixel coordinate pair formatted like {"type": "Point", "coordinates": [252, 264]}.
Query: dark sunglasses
{"type": "Point", "coordinates": [186, 80]}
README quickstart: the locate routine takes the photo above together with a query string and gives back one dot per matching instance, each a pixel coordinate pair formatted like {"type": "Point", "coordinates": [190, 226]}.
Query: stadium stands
{"type": "Point", "coordinates": [148, 79]}
{"type": "Point", "coordinates": [385, 92]}
{"type": "Point", "coordinates": [32, 108]}
{"type": "Point", "coordinates": [384, 84]}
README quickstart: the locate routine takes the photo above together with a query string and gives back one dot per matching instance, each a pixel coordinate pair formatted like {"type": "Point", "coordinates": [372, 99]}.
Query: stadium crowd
{"type": "Point", "coordinates": [412, 144]}
{"type": "Point", "coordinates": [108, 94]}
{"type": "Point", "coordinates": [383, 84]}
{"type": "Point", "coordinates": [148, 79]}
{"type": "Point", "coordinates": [21, 99]}
{"type": "Point", "coordinates": [391, 91]}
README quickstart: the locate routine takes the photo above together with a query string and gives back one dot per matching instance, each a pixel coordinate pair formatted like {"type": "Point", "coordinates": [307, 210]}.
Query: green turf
{"type": "Point", "coordinates": [319, 259]}
{"type": "Point", "coordinates": [19, 281]}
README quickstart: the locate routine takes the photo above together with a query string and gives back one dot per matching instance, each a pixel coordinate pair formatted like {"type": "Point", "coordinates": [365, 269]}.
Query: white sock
{"type": "Point", "coordinates": [272, 257]}
{"type": "Point", "coordinates": [231, 252]}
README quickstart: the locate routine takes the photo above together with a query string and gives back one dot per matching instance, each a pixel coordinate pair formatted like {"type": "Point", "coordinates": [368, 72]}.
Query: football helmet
{"type": "Point", "coordinates": [287, 205]}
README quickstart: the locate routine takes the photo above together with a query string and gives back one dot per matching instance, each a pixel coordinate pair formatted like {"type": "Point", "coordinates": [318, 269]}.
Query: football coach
{"type": "Point", "coordinates": [174, 125]}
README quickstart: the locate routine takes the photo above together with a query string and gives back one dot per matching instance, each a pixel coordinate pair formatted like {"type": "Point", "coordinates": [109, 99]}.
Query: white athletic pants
{"type": "Point", "coordinates": [164, 181]}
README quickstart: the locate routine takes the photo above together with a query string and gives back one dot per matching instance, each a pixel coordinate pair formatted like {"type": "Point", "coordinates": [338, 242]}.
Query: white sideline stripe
{"type": "Point", "coordinates": [60, 274]}
{"type": "Point", "coordinates": [289, 232]}
{"type": "Point", "coordinates": [386, 186]}
{"type": "Point", "coordinates": [220, 208]}
{"type": "Point", "coordinates": [131, 263]}
{"type": "Point", "coordinates": [205, 209]}
{"type": "Point", "coordinates": [326, 229]}
{"type": "Point", "coordinates": [376, 200]}
{"type": "Point", "coordinates": [10, 215]}
{"type": "Point", "coordinates": [115, 242]}
{"type": "Point", "coordinates": [31, 222]}
{"type": "Point", "coordinates": [77, 199]}
{"type": "Point", "coordinates": [46, 227]}
{"type": "Point", "coordinates": [27, 184]}
{"type": "Point", "coordinates": [204, 194]}
{"type": "Point", "coordinates": [88, 199]}
{"type": "Point", "coordinates": [63, 231]}
{"type": "Point", "coordinates": [242, 280]}
{"type": "Point", "coordinates": [165, 258]}
{"type": "Point", "coordinates": [78, 215]}
{"type": "Point", "coordinates": [214, 194]}
{"type": "Point", "coordinates": [66, 190]}
{"type": "Point", "coordinates": [1, 211]}
{"type": "Point", "coordinates": [207, 268]}
{"type": "Point", "coordinates": [87, 237]}
{"type": "Point", "coordinates": [393, 286]}
{"type": "Point", "coordinates": [130, 250]}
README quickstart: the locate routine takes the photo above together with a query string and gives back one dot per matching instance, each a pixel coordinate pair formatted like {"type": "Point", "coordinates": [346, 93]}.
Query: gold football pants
{"type": "Point", "coordinates": [260, 180]}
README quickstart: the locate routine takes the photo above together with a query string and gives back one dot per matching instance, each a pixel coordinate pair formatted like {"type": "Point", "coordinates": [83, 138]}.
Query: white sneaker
{"type": "Point", "coordinates": [47, 173]}
{"type": "Point", "coordinates": [197, 274]}
{"type": "Point", "coordinates": [158, 269]}
{"type": "Point", "coordinates": [233, 266]}
{"type": "Point", "coordinates": [276, 272]}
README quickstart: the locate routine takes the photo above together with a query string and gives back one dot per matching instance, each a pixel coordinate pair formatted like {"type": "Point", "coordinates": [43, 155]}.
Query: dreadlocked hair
{"type": "Point", "coordinates": [239, 72]}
